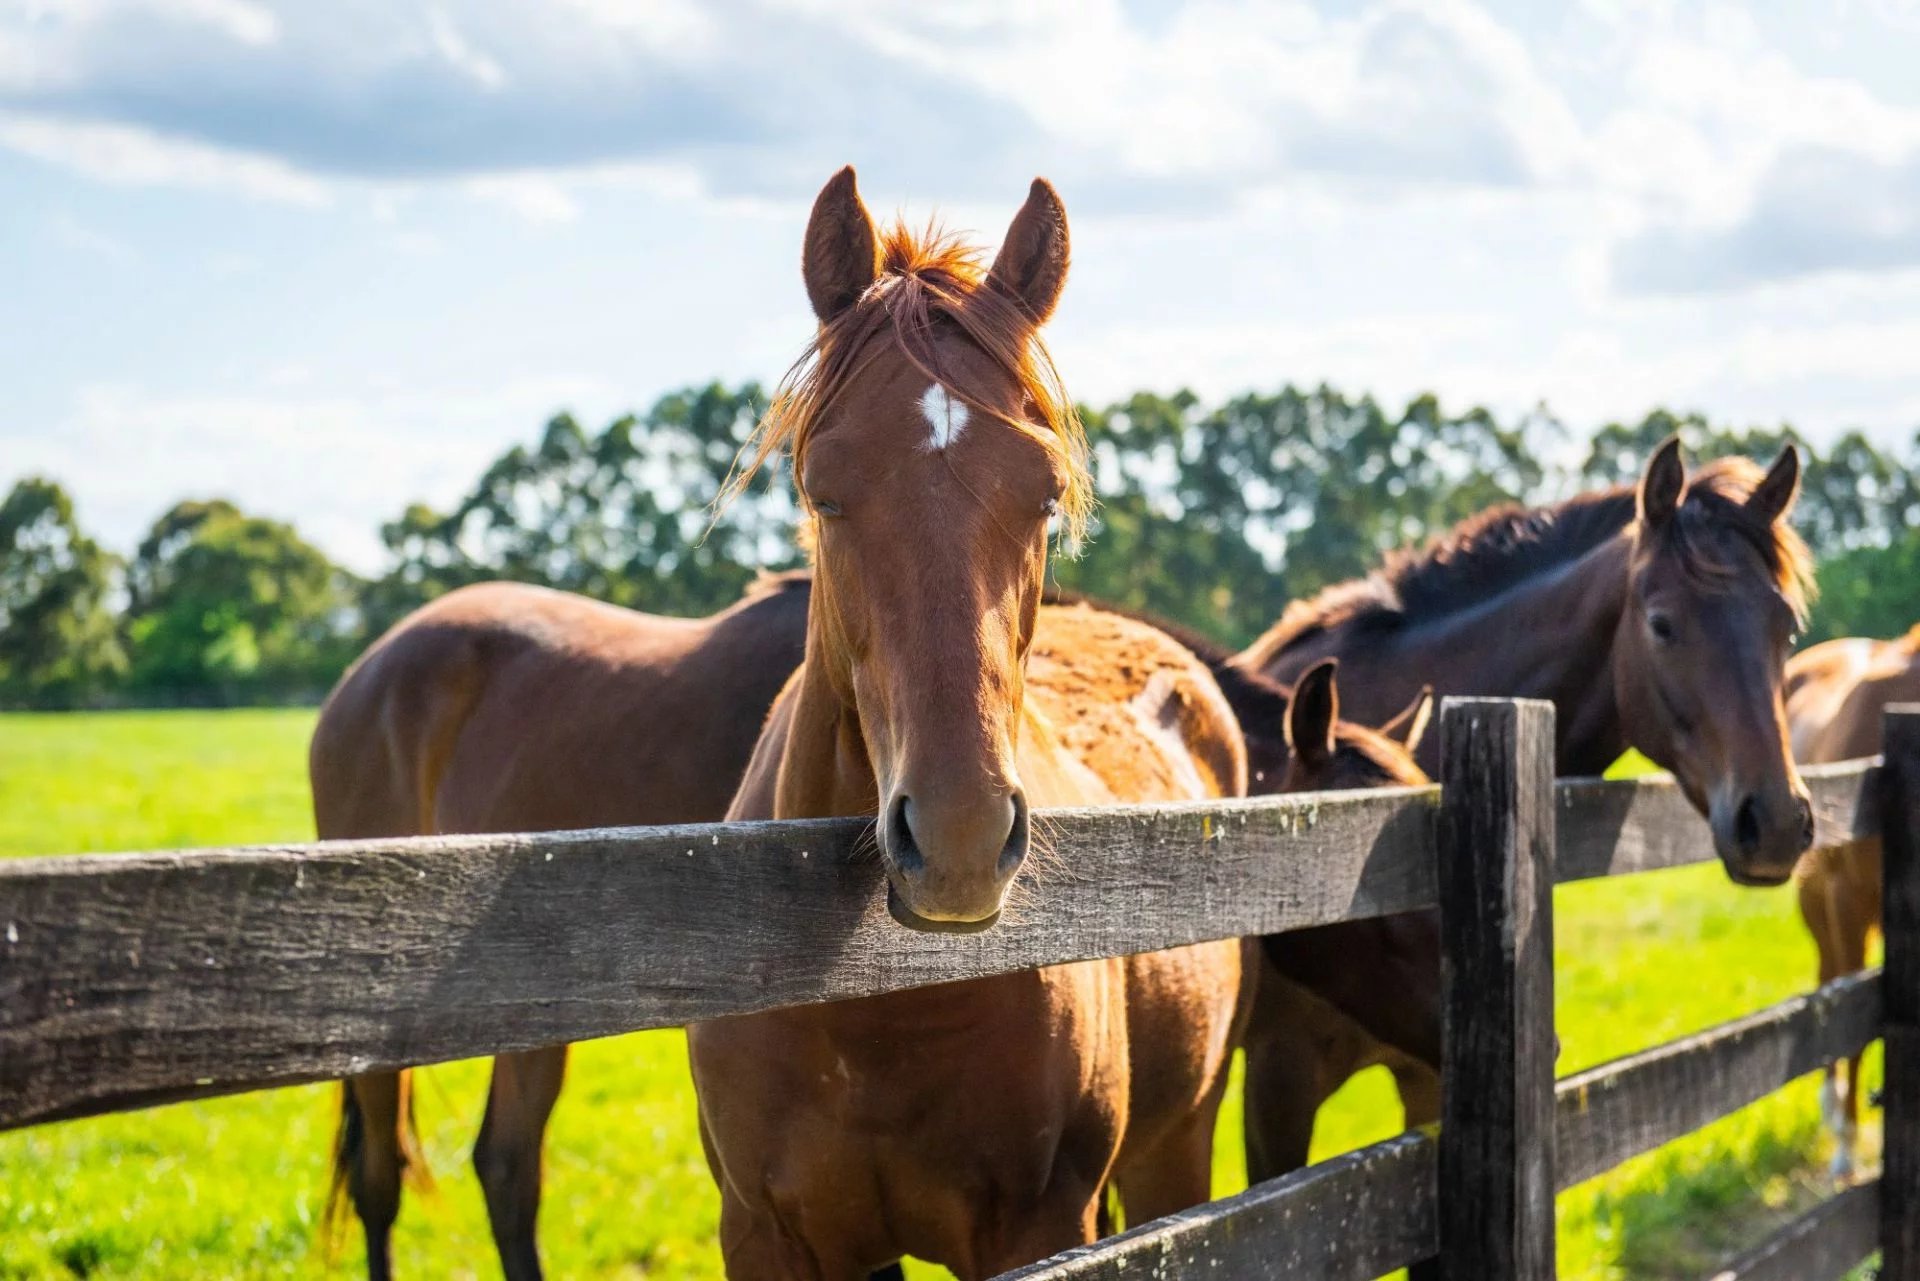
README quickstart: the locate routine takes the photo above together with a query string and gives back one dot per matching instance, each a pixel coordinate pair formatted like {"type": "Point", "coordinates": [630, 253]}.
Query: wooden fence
{"type": "Point", "coordinates": [132, 980]}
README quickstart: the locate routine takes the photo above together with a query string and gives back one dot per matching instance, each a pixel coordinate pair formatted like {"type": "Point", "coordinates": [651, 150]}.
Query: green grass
{"type": "Point", "coordinates": [233, 1187]}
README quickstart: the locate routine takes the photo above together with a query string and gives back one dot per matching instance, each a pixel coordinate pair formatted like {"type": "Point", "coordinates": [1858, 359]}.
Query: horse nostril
{"type": "Point", "coordinates": [1746, 826]}
{"type": "Point", "coordinates": [1806, 823]}
{"type": "Point", "coordinates": [1015, 850]}
{"type": "Point", "coordinates": [904, 850]}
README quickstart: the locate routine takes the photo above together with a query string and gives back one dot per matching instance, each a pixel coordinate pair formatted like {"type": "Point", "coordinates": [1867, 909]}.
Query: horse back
{"type": "Point", "coordinates": [504, 707]}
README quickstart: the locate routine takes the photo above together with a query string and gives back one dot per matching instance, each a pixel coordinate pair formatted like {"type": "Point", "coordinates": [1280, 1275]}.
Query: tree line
{"type": "Point", "coordinates": [1213, 515]}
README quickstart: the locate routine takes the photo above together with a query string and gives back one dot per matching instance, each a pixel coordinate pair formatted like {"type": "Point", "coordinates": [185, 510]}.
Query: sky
{"type": "Point", "coordinates": [327, 259]}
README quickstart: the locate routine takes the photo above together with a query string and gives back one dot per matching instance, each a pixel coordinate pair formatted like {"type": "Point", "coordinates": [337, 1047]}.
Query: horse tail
{"type": "Point", "coordinates": [349, 1138]}
{"type": "Point", "coordinates": [349, 1147]}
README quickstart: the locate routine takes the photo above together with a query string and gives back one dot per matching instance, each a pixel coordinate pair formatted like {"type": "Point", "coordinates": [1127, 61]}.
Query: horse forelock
{"type": "Point", "coordinates": [928, 280]}
{"type": "Point", "coordinates": [1716, 502]}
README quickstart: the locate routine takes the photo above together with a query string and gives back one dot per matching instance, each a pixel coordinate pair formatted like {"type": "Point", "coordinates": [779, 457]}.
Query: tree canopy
{"type": "Point", "coordinates": [1213, 515]}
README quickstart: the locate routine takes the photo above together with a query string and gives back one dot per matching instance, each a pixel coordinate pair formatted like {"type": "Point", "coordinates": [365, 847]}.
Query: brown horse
{"type": "Point", "coordinates": [508, 708]}
{"type": "Point", "coordinates": [975, 1124]}
{"type": "Point", "coordinates": [1836, 695]}
{"type": "Point", "coordinates": [1656, 617]}
{"type": "Point", "coordinates": [1332, 999]}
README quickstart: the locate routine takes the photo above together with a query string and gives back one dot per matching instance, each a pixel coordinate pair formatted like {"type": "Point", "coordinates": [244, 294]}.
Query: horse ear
{"type": "Point", "coordinates": [1032, 263]}
{"type": "Point", "coordinates": [842, 253]}
{"type": "Point", "coordinates": [1410, 725]}
{"type": "Point", "coordinates": [1313, 712]}
{"type": "Point", "coordinates": [1773, 497]}
{"type": "Point", "coordinates": [1660, 488]}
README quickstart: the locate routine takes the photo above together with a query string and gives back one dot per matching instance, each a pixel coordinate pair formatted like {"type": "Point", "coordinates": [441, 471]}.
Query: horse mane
{"type": "Point", "coordinates": [927, 279]}
{"type": "Point", "coordinates": [1498, 549]}
{"type": "Point", "coordinates": [1483, 556]}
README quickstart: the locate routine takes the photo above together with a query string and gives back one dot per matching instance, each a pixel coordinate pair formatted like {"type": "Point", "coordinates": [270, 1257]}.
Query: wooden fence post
{"type": "Point", "coordinates": [1900, 987]}
{"type": "Point", "coordinates": [1496, 919]}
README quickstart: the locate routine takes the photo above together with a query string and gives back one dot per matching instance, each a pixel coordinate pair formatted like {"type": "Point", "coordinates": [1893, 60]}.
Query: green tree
{"type": "Point", "coordinates": [59, 643]}
{"type": "Point", "coordinates": [228, 605]}
{"type": "Point", "coordinates": [625, 515]}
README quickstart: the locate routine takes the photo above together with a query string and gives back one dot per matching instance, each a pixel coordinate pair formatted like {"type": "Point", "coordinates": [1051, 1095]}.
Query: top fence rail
{"type": "Point", "coordinates": [130, 980]}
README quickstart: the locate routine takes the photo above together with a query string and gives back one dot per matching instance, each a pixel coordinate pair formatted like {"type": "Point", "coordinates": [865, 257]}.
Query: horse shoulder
{"type": "Point", "coordinates": [1135, 707]}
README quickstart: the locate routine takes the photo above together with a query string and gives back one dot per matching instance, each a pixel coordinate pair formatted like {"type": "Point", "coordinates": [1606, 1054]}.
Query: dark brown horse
{"type": "Point", "coordinates": [1656, 617]}
{"type": "Point", "coordinates": [974, 1124]}
{"type": "Point", "coordinates": [1333, 999]}
{"type": "Point", "coordinates": [1837, 693]}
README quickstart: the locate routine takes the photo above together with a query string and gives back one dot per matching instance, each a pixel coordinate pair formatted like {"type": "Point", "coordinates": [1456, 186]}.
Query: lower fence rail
{"type": "Point", "coordinates": [1353, 1218]}
{"type": "Point", "coordinates": [1372, 1210]}
{"type": "Point", "coordinates": [1823, 1244]}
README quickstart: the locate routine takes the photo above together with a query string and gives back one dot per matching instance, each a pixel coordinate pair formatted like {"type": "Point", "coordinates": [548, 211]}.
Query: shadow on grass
{"type": "Point", "coordinates": [1692, 1208]}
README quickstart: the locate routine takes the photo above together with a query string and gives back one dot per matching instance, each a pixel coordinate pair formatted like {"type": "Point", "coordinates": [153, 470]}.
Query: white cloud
{"type": "Point", "coordinates": [461, 55]}
{"type": "Point", "coordinates": [129, 155]}
{"type": "Point", "coordinates": [535, 197]}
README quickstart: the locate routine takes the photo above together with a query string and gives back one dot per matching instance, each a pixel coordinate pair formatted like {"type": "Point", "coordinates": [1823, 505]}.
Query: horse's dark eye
{"type": "Point", "coordinates": [1051, 508]}
{"type": "Point", "coordinates": [824, 507]}
{"type": "Point", "coordinates": [1661, 626]}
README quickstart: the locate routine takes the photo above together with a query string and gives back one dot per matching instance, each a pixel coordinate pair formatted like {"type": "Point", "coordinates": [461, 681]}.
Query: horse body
{"type": "Point", "coordinates": [508, 708]}
{"type": "Point", "coordinates": [1655, 617]}
{"type": "Point", "coordinates": [976, 1124]}
{"type": "Point", "coordinates": [1837, 694]}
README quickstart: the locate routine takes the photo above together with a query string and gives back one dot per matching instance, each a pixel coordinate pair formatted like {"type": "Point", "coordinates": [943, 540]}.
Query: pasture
{"type": "Point", "coordinates": [234, 1187]}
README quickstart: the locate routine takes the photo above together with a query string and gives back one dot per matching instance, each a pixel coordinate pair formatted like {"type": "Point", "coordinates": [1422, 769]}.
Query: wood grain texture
{"type": "Point", "coordinates": [1496, 860]}
{"type": "Point", "coordinates": [1900, 1093]}
{"type": "Point", "coordinates": [1632, 1105]}
{"type": "Point", "coordinates": [1349, 1219]}
{"type": "Point", "coordinates": [1617, 827]}
{"type": "Point", "coordinates": [1824, 1244]}
{"type": "Point", "coordinates": [129, 980]}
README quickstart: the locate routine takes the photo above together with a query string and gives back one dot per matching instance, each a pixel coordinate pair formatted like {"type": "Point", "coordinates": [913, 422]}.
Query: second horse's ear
{"type": "Point", "coordinates": [841, 257]}
{"type": "Point", "coordinates": [1662, 485]}
{"type": "Point", "coordinates": [1313, 712]}
{"type": "Point", "coordinates": [1410, 726]}
{"type": "Point", "coordinates": [1773, 497]}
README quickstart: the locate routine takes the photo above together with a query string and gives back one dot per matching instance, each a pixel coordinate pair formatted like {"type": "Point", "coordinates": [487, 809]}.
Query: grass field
{"type": "Point", "coordinates": [233, 1188]}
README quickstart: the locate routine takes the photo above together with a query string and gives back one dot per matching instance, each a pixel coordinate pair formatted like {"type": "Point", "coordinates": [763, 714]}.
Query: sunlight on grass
{"type": "Point", "coordinates": [233, 1187]}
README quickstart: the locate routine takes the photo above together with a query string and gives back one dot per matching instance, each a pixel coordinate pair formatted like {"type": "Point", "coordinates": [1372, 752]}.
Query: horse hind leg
{"type": "Point", "coordinates": [507, 1155]}
{"type": "Point", "coordinates": [371, 1157]}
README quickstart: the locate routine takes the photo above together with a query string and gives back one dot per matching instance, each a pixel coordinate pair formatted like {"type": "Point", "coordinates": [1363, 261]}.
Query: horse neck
{"type": "Point", "coordinates": [824, 771]}
{"type": "Point", "coordinates": [1551, 638]}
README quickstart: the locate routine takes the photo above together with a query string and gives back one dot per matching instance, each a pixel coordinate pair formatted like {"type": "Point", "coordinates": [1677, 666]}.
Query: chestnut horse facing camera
{"type": "Point", "coordinates": [1656, 617]}
{"type": "Point", "coordinates": [972, 1124]}
{"type": "Point", "coordinates": [1837, 694]}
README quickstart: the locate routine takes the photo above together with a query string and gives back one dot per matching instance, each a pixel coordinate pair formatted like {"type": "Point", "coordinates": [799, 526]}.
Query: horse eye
{"type": "Point", "coordinates": [825, 508]}
{"type": "Point", "coordinates": [1051, 507]}
{"type": "Point", "coordinates": [1661, 626]}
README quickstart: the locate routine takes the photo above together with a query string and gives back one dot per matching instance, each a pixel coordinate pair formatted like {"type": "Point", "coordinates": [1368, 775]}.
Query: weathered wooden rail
{"type": "Point", "coordinates": [131, 980]}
